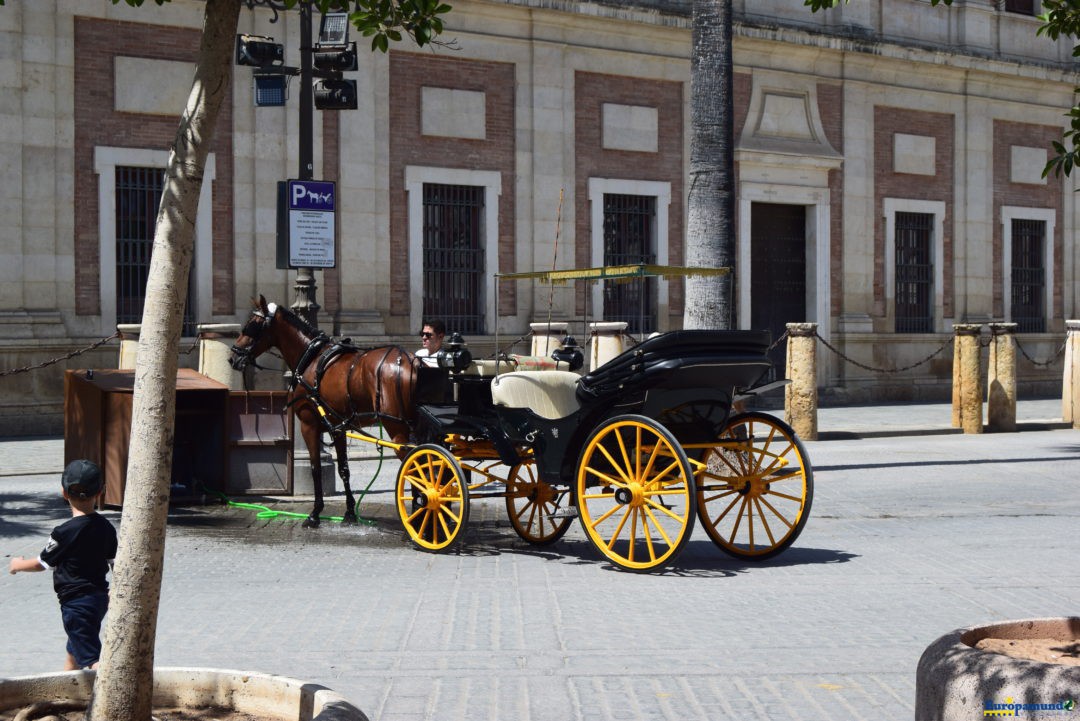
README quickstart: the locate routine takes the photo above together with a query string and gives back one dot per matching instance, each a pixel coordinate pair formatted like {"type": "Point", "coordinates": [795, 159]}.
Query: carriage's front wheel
{"type": "Point", "coordinates": [755, 487]}
{"type": "Point", "coordinates": [432, 498]}
{"type": "Point", "coordinates": [635, 493]}
{"type": "Point", "coordinates": [532, 505]}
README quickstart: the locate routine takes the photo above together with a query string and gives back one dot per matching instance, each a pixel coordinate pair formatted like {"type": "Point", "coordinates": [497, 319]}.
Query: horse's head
{"type": "Point", "coordinates": [256, 336]}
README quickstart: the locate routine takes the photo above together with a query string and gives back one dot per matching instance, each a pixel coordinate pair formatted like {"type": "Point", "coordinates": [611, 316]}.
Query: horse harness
{"type": "Point", "coordinates": [326, 350]}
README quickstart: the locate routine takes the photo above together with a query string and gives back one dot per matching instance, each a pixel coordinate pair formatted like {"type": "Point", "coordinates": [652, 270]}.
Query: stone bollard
{"type": "Point", "coordinates": [607, 342]}
{"type": "Point", "coordinates": [129, 345]}
{"type": "Point", "coordinates": [547, 337]}
{"type": "Point", "coordinates": [1001, 379]}
{"type": "Point", "coordinates": [1070, 383]}
{"type": "Point", "coordinates": [800, 396]}
{"type": "Point", "coordinates": [969, 393]}
{"type": "Point", "coordinates": [955, 387]}
{"type": "Point", "coordinates": [215, 344]}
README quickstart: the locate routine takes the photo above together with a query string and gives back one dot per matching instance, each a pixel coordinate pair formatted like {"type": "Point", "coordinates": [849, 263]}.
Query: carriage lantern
{"type": "Point", "coordinates": [455, 356]}
{"type": "Point", "coordinates": [570, 353]}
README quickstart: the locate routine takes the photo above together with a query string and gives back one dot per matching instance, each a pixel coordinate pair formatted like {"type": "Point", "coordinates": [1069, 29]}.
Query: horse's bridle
{"type": "Point", "coordinates": [253, 329]}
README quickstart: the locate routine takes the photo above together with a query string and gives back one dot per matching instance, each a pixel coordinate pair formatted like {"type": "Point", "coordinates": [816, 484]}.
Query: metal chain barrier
{"type": "Point", "coordinates": [780, 340]}
{"type": "Point", "coordinates": [192, 347]}
{"type": "Point", "coordinates": [1043, 364]}
{"type": "Point", "coordinates": [504, 352]}
{"type": "Point", "coordinates": [872, 369]}
{"type": "Point", "coordinates": [72, 354]}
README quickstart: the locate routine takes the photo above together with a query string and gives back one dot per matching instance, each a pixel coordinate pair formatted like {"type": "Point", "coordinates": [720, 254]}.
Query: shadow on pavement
{"type": "Point", "coordinates": [483, 537]}
{"type": "Point", "coordinates": [25, 513]}
{"type": "Point", "coordinates": [957, 462]}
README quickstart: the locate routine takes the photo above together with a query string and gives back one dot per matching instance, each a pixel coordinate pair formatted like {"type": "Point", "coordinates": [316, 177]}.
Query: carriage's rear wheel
{"type": "Point", "coordinates": [635, 493]}
{"type": "Point", "coordinates": [531, 504]}
{"type": "Point", "coordinates": [432, 498]}
{"type": "Point", "coordinates": [756, 486]}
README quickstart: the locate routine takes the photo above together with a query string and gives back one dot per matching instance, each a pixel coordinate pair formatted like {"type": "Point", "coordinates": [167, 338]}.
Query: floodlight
{"type": "Point", "coordinates": [335, 61]}
{"type": "Point", "coordinates": [258, 51]}
{"type": "Point", "coordinates": [334, 29]}
{"type": "Point", "coordinates": [271, 89]}
{"type": "Point", "coordinates": [335, 94]}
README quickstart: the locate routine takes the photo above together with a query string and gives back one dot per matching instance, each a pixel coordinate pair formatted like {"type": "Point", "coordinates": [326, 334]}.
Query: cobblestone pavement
{"type": "Point", "coordinates": [914, 531]}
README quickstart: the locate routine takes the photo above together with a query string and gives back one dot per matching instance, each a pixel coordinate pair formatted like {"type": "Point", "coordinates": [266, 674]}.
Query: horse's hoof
{"type": "Point", "coordinates": [349, 519]}
{"type": "Point", "coordinates": [311, 522]}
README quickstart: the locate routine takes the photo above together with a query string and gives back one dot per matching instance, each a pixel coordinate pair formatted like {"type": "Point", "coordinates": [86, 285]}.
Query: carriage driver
{"type": "Point", "coordinates": [431, 338]}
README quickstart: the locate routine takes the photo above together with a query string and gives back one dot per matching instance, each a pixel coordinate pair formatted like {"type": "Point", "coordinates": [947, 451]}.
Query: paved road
{"type": "Point", "coordinates": [915, 531]}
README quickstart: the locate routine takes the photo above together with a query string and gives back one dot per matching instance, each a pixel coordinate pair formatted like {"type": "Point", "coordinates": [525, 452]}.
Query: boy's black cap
{"type": "Point", "coordinates": [82, 479]}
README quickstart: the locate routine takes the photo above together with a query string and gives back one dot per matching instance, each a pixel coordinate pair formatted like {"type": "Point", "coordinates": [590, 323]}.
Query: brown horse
{"type": "Point", "coordinates": [334, 387]}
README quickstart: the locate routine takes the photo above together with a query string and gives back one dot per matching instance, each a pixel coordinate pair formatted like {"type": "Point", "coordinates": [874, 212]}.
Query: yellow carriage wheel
{"type": "Point", "coordinates": [755, 487]}
{"type": "Point", "coordinates": [635, 493]}
{"type": "Point", "coordinates": [530, 503]}
{"type": "Point", "coordinates": [432, 498]}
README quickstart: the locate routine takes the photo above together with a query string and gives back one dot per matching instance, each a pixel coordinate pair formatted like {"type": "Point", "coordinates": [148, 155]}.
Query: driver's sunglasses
{"type": "Point", "coordinates": [424, 334]}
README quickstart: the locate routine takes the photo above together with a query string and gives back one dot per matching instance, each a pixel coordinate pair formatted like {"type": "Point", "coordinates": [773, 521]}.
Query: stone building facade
{"type": "Point", "coordinates": [889, 159]}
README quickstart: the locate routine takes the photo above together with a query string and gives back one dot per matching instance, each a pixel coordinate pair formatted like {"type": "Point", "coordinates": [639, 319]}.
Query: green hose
{"type": "Point", "coordinates": [265, 513]}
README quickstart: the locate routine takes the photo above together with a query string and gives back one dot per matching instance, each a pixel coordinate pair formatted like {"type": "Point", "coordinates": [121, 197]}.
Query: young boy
{"type": "Point", "coordinates": [79, 552]}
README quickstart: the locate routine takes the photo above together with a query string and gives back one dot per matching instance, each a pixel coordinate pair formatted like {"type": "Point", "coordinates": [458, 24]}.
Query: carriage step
{"type": "Point", "coordinates": [565, 512]}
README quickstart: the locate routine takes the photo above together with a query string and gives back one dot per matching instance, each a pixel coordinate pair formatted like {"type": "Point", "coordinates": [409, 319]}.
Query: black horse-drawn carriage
{"type": "Point", "coordinates": [637, 449]}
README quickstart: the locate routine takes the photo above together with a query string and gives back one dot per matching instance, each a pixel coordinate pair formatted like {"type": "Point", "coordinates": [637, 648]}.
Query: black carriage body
{"type": "Point", "coordinates": [683, 379]}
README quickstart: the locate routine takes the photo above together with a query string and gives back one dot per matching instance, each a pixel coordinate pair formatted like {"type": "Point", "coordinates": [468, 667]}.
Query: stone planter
{"type": "Point", "coordinates": [271, 697]}
{"type": "Point", "coordinates": [957, 681]}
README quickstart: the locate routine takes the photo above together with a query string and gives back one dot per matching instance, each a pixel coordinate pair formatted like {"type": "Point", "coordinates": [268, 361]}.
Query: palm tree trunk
{"type": "Point", "coordinates": [124, 685]}
{"type": "Point", "coordinates": [710, 227]}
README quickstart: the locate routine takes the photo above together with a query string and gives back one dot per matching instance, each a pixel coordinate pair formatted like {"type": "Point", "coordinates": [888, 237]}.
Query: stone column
{"type": "Point", "coordinates": [215, 343]}
{"type": "Point", "coordinates": [1001, 378]}
{"type": "Point", "coordinates": [966, 356]}
{"type": "Point", "coordinates": [800, 396]}
{"type": "Point", "coordinates": [956, 384]}
{"type": "Point", "coordinates": [607, 342]}
{"type": "Point", "coordinates": [129, 344]}
{"type": "Point", "coordinates": [1070, 382]}
{"type": "Point", "coordinates": [547, 337]}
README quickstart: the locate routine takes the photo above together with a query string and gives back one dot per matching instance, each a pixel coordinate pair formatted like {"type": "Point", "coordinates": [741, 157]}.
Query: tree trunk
{"type": "Point", "coordinates": [710, 237]}
{"type": "Point", "coordinates": [124, 687]}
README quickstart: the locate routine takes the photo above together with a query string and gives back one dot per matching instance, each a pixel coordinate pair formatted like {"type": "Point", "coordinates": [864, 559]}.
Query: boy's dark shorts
{"type": "Point", "coordinates": [82, 622]}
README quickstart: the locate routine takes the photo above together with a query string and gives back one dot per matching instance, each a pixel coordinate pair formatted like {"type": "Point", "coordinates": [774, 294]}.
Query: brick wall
{"type": "Point", "coordinates": [331, 163]}
{"type": "Point", "coordinates": [97, 43]}
{"type": "Point", "coordinates": [591, 91]}
{"type": "Point", "coordinates": [1050, 195]}
{"type": "Point", "coordinates": [939, 187]}
{"type": "Point", "coordinates": [409, 73]}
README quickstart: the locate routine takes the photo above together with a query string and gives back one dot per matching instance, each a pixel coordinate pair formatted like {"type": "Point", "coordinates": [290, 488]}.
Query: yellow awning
{"type": "Point", "coordinates": [614, 272]}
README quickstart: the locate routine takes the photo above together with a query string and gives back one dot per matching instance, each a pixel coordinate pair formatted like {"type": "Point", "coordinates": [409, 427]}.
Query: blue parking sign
{"type": "Point", "coordinates": [312, 205]}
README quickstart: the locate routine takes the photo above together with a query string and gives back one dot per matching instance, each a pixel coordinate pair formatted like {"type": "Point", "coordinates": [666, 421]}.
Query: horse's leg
{"type": "Point", "coordinates": [343, 473]}
{"type": "Point", "coordinates": [312, 438]}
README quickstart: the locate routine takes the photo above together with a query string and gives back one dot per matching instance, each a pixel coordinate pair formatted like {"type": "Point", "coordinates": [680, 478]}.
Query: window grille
{"type": "Point", "coordinates": [1028, 309]}
{"type": "Point", "coordinates": [914, 267]}
{"type": "Point", "coordinates": [453, 256]}
{"type": "Point", "coordinates": [629, 238]}
{"type": "Point", "coordinates": [138, 195]}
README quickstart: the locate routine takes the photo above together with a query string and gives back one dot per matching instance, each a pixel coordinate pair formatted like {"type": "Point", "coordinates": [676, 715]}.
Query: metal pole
{"type": "Point", "coordinates": [304, 303]}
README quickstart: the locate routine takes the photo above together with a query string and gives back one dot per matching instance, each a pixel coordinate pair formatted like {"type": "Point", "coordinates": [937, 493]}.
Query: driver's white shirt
{"type": "Point", "coordinates": [429, 359]}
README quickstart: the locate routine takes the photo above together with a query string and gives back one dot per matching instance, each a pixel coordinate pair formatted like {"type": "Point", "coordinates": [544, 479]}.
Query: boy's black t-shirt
{"type": "Point", "coordinates": [79, 551]}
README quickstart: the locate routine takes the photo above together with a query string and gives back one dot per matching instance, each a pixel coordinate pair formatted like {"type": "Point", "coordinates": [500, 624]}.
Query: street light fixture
{"type": "Point", "coordinates": [334, 55]}
{"type": "Point", "coordinates": [258, 51]}
{"type": "Point", "coordinates": [326, 60]}
{"type": "Point", "coordinates": [271, 88]}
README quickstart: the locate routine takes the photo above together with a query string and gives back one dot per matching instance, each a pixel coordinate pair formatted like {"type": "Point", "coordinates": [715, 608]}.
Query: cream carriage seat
{"type": "Point", "coordinates": [490, 368]}
{"type": "Point", "coordinates": [548, 394]}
